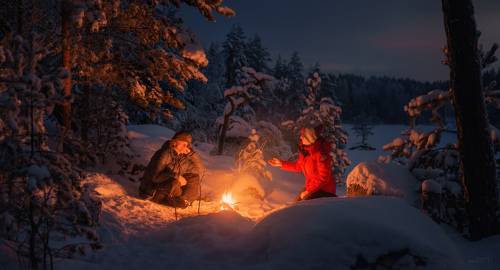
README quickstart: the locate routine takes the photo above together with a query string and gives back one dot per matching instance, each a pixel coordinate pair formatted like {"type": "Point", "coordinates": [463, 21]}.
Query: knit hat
{"type": "Point", "coordinates": [309, 135]}
{"type": "Point", "coordinates": [183, 136]}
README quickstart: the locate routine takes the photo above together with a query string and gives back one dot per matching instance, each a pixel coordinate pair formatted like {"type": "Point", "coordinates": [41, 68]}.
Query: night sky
{"type": "Point", "coordinates": [401, 38]}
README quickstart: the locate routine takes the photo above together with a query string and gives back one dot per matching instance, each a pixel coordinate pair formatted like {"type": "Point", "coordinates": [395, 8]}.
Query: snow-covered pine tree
{"type": "Point", "coordinates": [326, 115]}
{"type": "Point", "coordinates": [214, 91]}
{"type": "Point", "coordinates": [335, 134]}
{"type": "Point", "coordinates": [257, 55]}
{"type": "Point", "coordinates": [234, 48]}
{"type": "Point", "coordinates": [295, 75]}
{"type": "Point", "coordinates": [42, 199]}
{"type": "Point", "coordinates": [126, 65]}
{"type": "Point", "coordinates": [258, 58]}
{"type": "Point", "coordinates": [281, 89]}
{"type": "Point", "coordinates": [136, 55]}
{"type": "Point", "coordinates": [252, 84]}
{"type": "Point", "coordinates": [280, 69]}
{"type": "Point", "coordinates": [362, 129]}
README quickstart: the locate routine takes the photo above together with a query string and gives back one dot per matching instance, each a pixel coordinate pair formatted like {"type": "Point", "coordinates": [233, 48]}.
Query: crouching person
{"type": "Point", "coordinates": [172, 177]}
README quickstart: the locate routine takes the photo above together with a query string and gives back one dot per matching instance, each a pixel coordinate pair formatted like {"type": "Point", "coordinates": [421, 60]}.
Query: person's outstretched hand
{"type": "Point", "coordinates": [182, 180]}
{"type": "Point", "coordinates": [275, 162]}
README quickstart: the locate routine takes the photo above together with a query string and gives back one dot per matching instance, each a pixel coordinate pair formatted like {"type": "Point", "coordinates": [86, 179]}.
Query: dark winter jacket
{"type": "Point", "coordinates": [315, 163]}
{"type": "Point", "coordinates": [166, 166]}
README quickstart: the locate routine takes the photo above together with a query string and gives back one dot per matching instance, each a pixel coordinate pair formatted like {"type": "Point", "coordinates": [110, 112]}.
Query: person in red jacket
{"type": "Point", "coordinates": [315, 162]}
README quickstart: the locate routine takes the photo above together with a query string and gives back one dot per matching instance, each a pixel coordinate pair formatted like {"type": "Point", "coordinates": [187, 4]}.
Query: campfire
{"type": "Point", "coordinates": [227, 202]}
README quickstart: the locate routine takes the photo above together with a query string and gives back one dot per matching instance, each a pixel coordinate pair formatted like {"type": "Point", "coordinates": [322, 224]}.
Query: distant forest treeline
{"type": "Point", "coordinates": [381, 99]}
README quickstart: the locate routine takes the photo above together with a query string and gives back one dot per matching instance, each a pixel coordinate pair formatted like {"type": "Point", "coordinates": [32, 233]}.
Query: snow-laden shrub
{"type": "Point", "coordinates": [250, 160]}
{"type": "Point", "coordinates": [441, 190]}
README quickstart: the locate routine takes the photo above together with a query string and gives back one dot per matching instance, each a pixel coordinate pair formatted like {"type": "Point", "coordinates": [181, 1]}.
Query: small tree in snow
{"type": "Point", "coordinates": [251, 158]}
{"type": "Point", "coordinates": [251, 85]}
{"type": "Point", "coordinates": [324, 114]}
{"type": "Point", "coordinates": [363, 130]}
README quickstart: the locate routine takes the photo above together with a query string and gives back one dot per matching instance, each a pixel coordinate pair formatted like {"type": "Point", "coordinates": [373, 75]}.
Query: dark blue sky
{"type": "Point", "coordinates": [400, 38]}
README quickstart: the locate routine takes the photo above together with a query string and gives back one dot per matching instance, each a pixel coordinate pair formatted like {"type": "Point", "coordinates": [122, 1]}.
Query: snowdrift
{"type": "Point", "coordinates": [341, 233]}
{"type": "Point", "coordinates": [330, 233]}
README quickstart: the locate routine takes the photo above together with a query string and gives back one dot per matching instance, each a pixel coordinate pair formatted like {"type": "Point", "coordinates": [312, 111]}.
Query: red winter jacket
{"type": "Point", "coordinates": [316, 165]}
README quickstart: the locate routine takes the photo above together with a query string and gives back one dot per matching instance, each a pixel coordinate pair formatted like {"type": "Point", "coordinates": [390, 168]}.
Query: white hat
{"type": "Point", "coordinates": [309, 135]}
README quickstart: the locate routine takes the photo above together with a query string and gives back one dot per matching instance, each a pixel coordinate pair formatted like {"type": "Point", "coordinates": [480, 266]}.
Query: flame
{"type": "Point", "coordinates": [227, 201]}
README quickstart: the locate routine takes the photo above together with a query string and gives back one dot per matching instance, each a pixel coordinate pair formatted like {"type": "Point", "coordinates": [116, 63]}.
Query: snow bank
{"type": "Point", "coordinates": [338, 233]}
{"type": "Point", "coordinates": [198, 242]}
{"type": "Point", "coordinates": [481, 255]}
{"type": "Point", "coordinates": [320, 234]}
{"type": "Point", "coordinates": [373, 178]}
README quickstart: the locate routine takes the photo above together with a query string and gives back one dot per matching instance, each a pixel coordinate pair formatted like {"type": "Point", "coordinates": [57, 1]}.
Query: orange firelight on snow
{"type": "Point", "coordinates": [227, 202]}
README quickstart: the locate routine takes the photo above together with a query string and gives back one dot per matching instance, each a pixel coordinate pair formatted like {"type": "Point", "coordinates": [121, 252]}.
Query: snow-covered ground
{"type": "Point", "coordinates": [274, 233]}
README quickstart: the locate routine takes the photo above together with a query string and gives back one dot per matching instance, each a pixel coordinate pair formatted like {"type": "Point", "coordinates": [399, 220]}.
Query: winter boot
{"type": "Point", "coordinates": [176, 202]}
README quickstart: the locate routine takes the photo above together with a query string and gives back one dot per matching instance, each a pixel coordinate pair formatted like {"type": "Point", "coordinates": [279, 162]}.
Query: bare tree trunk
{"type": "Point", "coordinates": [225, 125]}
{"type": "Point", "coordinates": [32, 235]}
{"type": "Point", "coordinates": [222, 135]}
{"type": "Point", "coordinates": [477, 164]}
{"type": "Point", "coordinates": [66, 51]}
{"type": "Point", "coordinates": [85, 111]}
{"type": "Point", "coordinates": [20, 16]}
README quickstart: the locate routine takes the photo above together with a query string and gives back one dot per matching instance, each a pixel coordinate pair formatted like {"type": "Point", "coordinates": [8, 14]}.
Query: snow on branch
{"type": "Point", "coordinates": [207, 7]}
{"type": "Point", "coordinates": [192, 49]}
{"type": "Point", "coordinates": [240, 94]}
{"type": "Point", "coordinates": [250, 88]}
{"type": "Point", "coordinates": [433, 101]}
